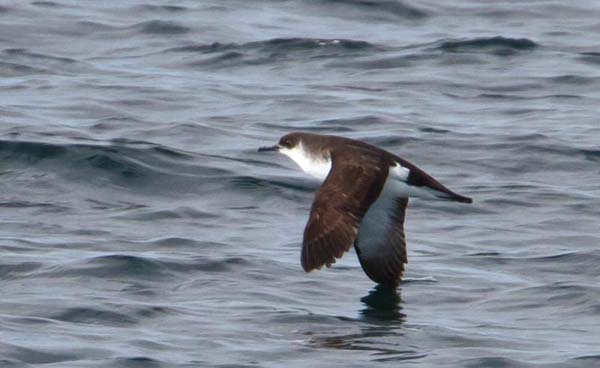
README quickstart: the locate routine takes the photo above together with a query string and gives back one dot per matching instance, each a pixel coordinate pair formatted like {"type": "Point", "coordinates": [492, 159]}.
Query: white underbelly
{"type": "Point", "coordinates": [379, 219]}
{"type": "Point", "coordinates": [375, 225]}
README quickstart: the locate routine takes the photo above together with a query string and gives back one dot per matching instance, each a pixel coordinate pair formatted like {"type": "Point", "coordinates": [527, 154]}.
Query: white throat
{"type": "Point", "coordinates": [315, 166]}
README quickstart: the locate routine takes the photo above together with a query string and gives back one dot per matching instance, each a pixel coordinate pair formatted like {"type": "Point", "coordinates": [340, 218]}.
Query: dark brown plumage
{"type": "Point", "coordinates": [354, 205]}
{"type": "Point", "coordinates": [353, 184]}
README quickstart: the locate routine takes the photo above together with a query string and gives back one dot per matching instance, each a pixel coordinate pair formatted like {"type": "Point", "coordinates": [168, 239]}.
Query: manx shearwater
{"type": "Point", "coordinates": [362, 202]}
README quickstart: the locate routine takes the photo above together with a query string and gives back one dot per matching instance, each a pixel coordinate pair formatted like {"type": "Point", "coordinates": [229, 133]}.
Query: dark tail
{"type": "Point", "coordinates": [420, 178]}
{"type": "Point", "coordinates": [461, 198]}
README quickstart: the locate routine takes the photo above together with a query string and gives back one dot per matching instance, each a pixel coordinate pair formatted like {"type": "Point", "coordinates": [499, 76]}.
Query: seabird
{"type": "Point", "coordinates": [362, 202]}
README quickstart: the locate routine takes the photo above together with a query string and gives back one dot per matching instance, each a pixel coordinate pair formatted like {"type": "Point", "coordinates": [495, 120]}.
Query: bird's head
{"type": "Point", "coordinates": [308, 150]}
{"type": "Point", "coordinates": [287, 143]}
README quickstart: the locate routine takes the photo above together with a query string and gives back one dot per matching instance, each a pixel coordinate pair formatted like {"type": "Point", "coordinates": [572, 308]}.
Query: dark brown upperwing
{"type": "Point", "coordinates": [385, 264]}
{"type": "Point", "coordinates": [356, 178]}
{"type": "Point", "coordinates": [417, 176]}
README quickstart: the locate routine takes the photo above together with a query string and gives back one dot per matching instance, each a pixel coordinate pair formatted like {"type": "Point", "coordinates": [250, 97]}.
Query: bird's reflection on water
{"type": "Point", "coordinates": [383, 305]}
{"type": "Point", "coordinates": [378, 328]}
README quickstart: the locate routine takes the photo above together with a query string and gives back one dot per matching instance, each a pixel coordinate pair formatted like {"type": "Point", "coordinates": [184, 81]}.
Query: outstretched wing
{"type": "Point", "coordinates": [353, 184]}
{"type": "Point", "coordinates": [381, 242]}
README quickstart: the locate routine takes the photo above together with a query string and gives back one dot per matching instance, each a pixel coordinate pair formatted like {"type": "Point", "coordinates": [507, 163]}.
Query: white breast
{"type": "Point", "coordinates": [317, 167]}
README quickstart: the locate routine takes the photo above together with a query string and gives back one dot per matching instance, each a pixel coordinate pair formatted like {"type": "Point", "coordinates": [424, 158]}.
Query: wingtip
{"type": "Point", "coordinates": [465, 200]}
{"type": "Point", "coordinates": [309, 269]}
{"type": "Point", "coordinates": [306, 265]}
{"type": "Point", "coordinates": [311, 265]}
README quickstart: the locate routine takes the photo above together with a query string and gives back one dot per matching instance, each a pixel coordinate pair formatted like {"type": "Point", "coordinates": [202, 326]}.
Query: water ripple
{"type": "Point", "coordinates": [500, 46]}
{"type": "Point", "coordinates": [273, 50]}
{"type": "Point", "coordinates": [140, 227]}
{"type": "Point", "coordinates": [160, 27]}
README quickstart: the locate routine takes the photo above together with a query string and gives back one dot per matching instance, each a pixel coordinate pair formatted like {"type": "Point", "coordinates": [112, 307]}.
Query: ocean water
{"type": "Point", "coordinates": [139, 227]}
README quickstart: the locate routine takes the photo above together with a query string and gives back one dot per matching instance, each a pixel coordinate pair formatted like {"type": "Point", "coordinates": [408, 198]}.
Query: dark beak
{"type": "Point", "coordinates": [274, 148]}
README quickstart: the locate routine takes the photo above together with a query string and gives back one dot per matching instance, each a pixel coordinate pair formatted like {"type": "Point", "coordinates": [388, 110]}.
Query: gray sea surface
{"type": "Point", "coordinates": [139, 226]}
